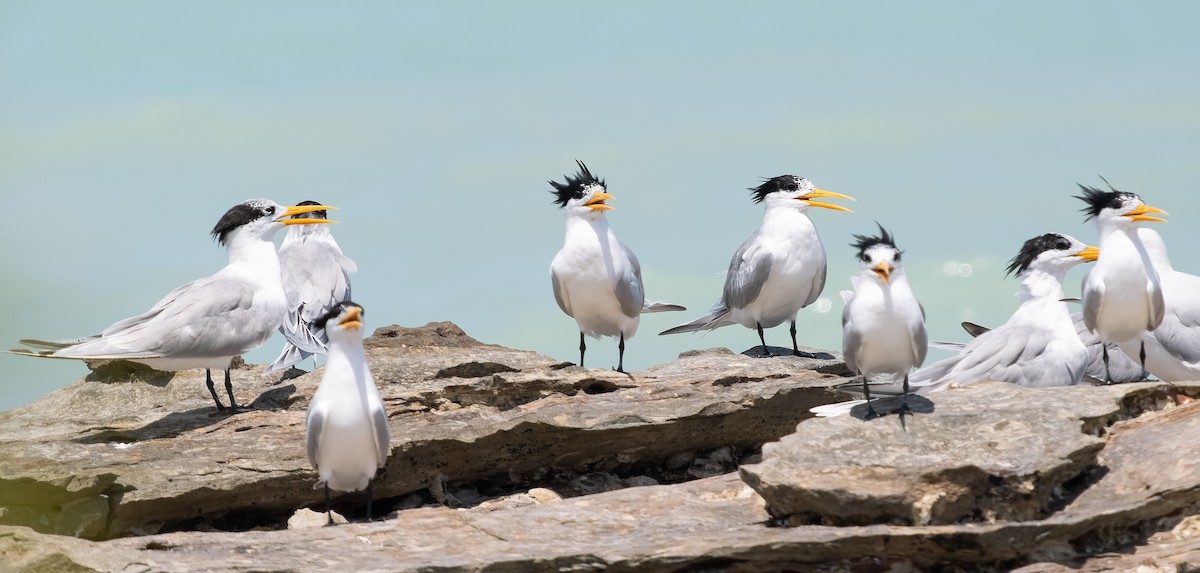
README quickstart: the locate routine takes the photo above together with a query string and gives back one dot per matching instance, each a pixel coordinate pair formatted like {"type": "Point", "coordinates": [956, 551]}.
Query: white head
{"type": "Point", "coordinates": [792, 192]}
{"type": "Point", "coordinates": [261, 219]}
{"type": "Point", "coordinates": [343, 322]}
{"type": "Point", "coordinates": [879, 257]}
{"type": "Point", "coordinates": [1117, 209]}
{"type": "Point", "coordinates": [1052, 253]}
{"type": "Point", "coordinates": [583, 195]}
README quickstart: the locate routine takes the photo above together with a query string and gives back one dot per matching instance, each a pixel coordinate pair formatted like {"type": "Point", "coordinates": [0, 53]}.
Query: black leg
{"type": "Point", "coordinates": [211, 390]}
{"type": "Point", "coordinates": [1107, 374]}
{"type": "Point", "coordinates": [761, 339]}
{"type": "Point", "coordinates": [582, 348]}
{"type": "Point", "coordinates": [871, 413]}
{"type": "Point", "coordinates": [795, 347]}
{"type": "Point", "coordinates": [904, 409]}
{"type": "Point", "coordinates": [229, 389]}
{"type": "Point", "coordinates": [1142, 354]}
{"type": "Point", "coordinates": [621, 355]}
{"type": "Point", "coordinates": [370, 498]}
{"type": "Point", "coordinates": [328, 511]}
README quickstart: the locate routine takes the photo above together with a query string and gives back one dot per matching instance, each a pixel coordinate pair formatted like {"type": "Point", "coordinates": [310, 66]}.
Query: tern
{"type": "Point", "coordinates": [204, 323]}
{"type": "Point", "coordinates": [1037, 347]}
{"type": "Point", "coordinates": [883, 324]}
{"type": "Point", "coordinates": [596, 279]}
{"type": "Point", "coordinates": [779, 269]}
{"type": "Point", "coordinates": [1122, 295]}
{"type": "Point", "coordinates": [316, 277]}
{"type": "Point", "coordinates": [1172, 350]}
{"type": "Point", "coordinates": [346, 429]}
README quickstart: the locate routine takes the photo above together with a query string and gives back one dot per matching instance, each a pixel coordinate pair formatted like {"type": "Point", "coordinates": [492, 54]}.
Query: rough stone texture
{"type": "Point", "coordinates": [635, 476]}
{"type": "Point", "coordinates": [958, 462]}
{"type": "Point", "coordinates": [103, 458]}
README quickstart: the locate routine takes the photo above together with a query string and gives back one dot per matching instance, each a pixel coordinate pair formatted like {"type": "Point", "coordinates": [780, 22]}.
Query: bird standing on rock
{"type": "Point", "coordinates": [346, 428]}
{"type": "Point", "coordinates": [316, 277]}
{"type": "Point", "coordinates": [205, 323]}
{"type": "Point", "coordinates": [1122, 295]}
{"type": "Point", "coordinates": [596, 279]}
{"type": "Point", "coordinates": [883, 324]}
{"type": "Point", "coordinates": [780, 269]}
{"type": "Point", "coordinates": [1172, 350]}
{"type": "Point", "coordinates": [1037, 347]}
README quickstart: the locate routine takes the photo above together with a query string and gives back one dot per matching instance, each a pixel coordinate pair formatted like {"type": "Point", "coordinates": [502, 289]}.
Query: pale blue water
{"type": "Point", "coordinates": [127, 130]}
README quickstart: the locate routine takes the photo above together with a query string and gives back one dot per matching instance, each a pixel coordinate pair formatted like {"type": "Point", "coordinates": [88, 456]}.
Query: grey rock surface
{"type": "Point", "coordinates": [104, 458]}
{"type": "Point", "coordinates": [505, 460]}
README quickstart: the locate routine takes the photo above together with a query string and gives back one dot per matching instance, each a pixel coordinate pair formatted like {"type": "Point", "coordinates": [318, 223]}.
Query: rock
{"type": "Point", "coordinates": [961, 462]}
{"type": "Point", "coordinates": [505, 460]}
{"type": "Point", "coordinates": [159, 457]}
{"type": "Point", "coordinates": [305, 518]}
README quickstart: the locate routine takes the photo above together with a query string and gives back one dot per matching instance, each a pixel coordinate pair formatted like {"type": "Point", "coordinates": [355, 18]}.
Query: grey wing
{"type": "Point", "coordinates": [851, 340]}
{"type": "Point", "coordinates": [818, 285]}
{"type": "Point", "coordinates": [560, 295]}
{"type": "Point", "coordinates": [1179, 332]}
{"type": "Point", "coordinates": [748, 272]}
{"type": "Point", "coordinates": [1009, 354]}
{"type": "Point", "coordinates": [629, 289]}
{"type": "Point", "coordinates": [920, 341]}
{"type": "Point", "coordinates": [312, 437]}
{"type": "Point", "coordinates": [382, 438]}
{"type": "Point", "coordinates": [1157, 306]}
{"type": "Point", "coordinates": [208, 317]}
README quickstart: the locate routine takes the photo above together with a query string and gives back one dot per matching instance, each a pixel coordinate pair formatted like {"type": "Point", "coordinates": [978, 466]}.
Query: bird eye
{"type": "Point", "coordinates": [865, 258]}
{"type": "Point", "coordinates": [1062, 245]}
{"type": "Point", "coordinates": [270, 210]}
{"type": "Point", "coordinates": [898, 256]}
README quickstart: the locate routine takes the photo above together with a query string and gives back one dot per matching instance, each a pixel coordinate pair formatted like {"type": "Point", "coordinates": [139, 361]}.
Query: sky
{"type": "Point", "coordinates": [128, 128]}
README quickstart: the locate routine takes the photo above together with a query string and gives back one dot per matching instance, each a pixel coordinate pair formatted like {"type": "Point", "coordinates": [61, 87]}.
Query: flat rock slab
{"type": "Point", "coordinates": [104, 458]}
{"type": "Point", "coordinates": [979, 454]}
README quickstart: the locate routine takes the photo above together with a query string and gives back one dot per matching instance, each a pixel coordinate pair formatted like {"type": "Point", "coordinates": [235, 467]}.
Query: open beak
{"type": "Point", "coordinates": [596, 203]}
{"type": "Point", "coordinates": [298, 209]}
{"type": "Point", "coordinates": [353, 318]}
{"type": "Point", "coordinates": [1090, 254]}
{"type": "Point", "coordinates": [823, 193]}
{"type": "Point", "coordinates": [1139, 214]}
{"type": "Point", "coordinates": [884, 271]}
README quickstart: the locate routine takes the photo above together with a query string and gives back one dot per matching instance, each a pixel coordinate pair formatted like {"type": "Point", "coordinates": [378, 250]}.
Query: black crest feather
{"type": "Point", "coordinates": [573, 188]}
{"type": "Point", "coordinates": [1098, 200]}
{"type": "Point", "coordinates": [1034, 247]}
{"type": "Point", "coordinates": [864, 242]}
{"type": "Point", "coordinates": [779, 183]}
{"type": "Point", "coordinates": [237, 216]}
{"type": "Point", "coordinates": [313, 215]}
{"type": "Point", "coordinates": [337, 310]}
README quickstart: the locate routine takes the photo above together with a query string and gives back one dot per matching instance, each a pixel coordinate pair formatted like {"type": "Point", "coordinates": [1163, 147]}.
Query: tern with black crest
{"type": "Point", "coordinates": [596, 279]}
{"type": "Point", "coordinates": [1122, 295]}
{"type": "Point", "coordinates": [205, 323]}
{"type": "Point", "coordinates": [883, 324]}
{"type": "Point", "coordinates": [780, 269]}
{"type": "Point", "coordinates": [346, 431]}
{"type": "Point", "coordinates": [316, 277]}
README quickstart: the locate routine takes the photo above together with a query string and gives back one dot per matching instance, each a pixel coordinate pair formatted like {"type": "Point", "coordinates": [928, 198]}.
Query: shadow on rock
{"type": "Point", "coordinates": [892, 405]}
{"type": "Point", "coordinates": [773, 351]}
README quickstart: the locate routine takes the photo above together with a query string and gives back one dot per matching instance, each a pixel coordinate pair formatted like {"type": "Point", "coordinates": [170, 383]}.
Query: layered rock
{"type": "Point", "coordinates": [505, 460]}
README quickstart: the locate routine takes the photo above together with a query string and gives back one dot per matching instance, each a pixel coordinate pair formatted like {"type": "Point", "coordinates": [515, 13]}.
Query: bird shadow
{"type": "Point", "coordinates": [177, 423]}
{"type": "Point", "coordinates": [761, 351]}
{"type": "Point", "coordinates": [892, 405]}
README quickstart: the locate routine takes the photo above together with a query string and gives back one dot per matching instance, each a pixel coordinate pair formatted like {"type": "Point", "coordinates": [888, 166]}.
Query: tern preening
{"type": "Point", "coordinates": [205, 323]}
{"type": "Point", "coordinates": [596, 279]}
{"type": "Point", "coordinates": [1037, 347]}
{"type": "Point", "coordinates": [346, 430]}
{"type": "Point", "coordinates": [316, 277]}
{"type": "Point", "coordinates": [1172, 350]}
{"type": "Point", "coordinates": [1122, 295]}
{"type": "Point", "coordinates": [883, 324]}
{"type": "Point", "coordinates": [780, 269]}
